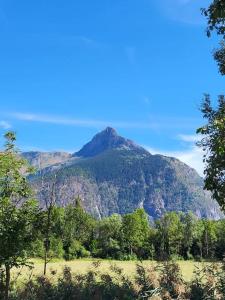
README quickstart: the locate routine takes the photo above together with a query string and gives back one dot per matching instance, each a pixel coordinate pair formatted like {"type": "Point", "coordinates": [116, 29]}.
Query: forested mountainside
{"type": "Point", "coordinates": [114, 175]}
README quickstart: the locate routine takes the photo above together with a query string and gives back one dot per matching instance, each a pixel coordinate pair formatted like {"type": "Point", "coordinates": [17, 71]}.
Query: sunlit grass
{"type": "Point", "coordinates": [81, 266]}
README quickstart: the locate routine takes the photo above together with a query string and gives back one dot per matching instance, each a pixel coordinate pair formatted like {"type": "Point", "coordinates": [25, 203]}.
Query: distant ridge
{"type": "Point", "coordinates": [46, 159]}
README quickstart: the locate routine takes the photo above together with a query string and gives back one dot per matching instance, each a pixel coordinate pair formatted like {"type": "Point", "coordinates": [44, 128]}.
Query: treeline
{"type": "Point", "coordinates": [75, 234]}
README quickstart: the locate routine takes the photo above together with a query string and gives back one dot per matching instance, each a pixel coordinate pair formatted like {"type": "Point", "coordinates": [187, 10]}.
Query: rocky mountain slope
{"type": "Point", "coordinates": [114, 175]}
{"type": "Point", "coordinates": [45, 159]}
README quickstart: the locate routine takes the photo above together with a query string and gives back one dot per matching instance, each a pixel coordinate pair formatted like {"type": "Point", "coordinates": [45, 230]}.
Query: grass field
{"type": "Point", "coordinates": [81, 266]}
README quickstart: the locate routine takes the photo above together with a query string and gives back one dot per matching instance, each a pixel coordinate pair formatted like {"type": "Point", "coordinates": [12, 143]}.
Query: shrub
{"type": "Point", "coordinates": [76, 250]}
{"type": "Point", "coordinates": [171, 281]}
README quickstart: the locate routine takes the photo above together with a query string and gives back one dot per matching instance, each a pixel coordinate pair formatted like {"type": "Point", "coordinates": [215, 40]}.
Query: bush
{"type": "Point", "coordinates": [128, 257]}
{"type": "Point", "coordinates": [56, 248]}
{"type": "Point", "coordinates": [76, 250]}
{"type": "Point", "coordinates": [209, 283]}
{"type": "Point", "coordinates": [37, 249]}
{"type": "Point", "coordinates": [171, 281]}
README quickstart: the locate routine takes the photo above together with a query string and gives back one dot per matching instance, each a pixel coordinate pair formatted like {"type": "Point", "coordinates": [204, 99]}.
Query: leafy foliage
{"type": "Point", "coordinates": [214, 147]}
{"type": "Point", "coordinates": [18, 212]}
{"type": "Point", "coordinates": [131, 236]}
{"type": "Point", "coordinates": [215, 15]}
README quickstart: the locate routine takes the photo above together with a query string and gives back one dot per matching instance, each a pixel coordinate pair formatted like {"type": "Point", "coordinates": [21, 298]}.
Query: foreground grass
{"type": "Point", "coordinates": [81, 266]}
{"type": "Point", "coordinates": [110, 280]}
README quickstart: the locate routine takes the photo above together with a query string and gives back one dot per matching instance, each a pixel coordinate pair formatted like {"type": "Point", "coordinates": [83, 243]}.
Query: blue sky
{"type": "Point", "coordinates": [70, 68]}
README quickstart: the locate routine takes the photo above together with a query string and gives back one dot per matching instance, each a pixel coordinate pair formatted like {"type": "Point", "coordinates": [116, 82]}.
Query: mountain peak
{"type": "Point", "coordinates": [109, 131]}
{"type": "Point", "coordinates": [105, 140]}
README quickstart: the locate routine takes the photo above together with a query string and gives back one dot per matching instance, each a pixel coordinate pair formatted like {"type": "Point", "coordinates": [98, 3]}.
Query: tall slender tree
{"type": "Point", "coordinates": [49, 195]}
{"type": "Point", "coordinates": [18, 211]}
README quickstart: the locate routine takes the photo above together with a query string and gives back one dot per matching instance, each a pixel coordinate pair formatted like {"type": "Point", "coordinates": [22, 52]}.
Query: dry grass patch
{"type": "Point", "coordinates": [81, 266]}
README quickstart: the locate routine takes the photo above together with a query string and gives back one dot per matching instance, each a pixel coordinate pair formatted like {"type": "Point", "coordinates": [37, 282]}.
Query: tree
{"type": "Point", "coordinates": [213, 142]}
{"type": "Point", "coordinates": [109, 236]}
{"type": "Point", "coordinates": [49, 195]}
{"type": "Point", "coordinates": [197, 245]}
{"type": "Point", "coordinates": [135, 228]}
{"type": "Point", "coordinates": [18, 212]}
{"type": "Point", "coordinates": [213, 145]}
{"type": "Point", "coordinates": [208, 238]}
{"type": "Point", "coordinates": [189, 222]}
{"type": "Point", "coordinates": [215, 15]}
{"type": "Point", "coordinates": [169, 235]}
{"type": "Point", "coordinates": [220, 239]}
{"type": "Point", "coordinates": [219, 56]}
{"type": "Point", "coordinates": [77, 226]}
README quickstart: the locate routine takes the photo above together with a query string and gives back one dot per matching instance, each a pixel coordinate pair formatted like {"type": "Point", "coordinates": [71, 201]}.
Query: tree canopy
{"type": "Point", "coordinates": [215, 15]}
{"type": "Point", "coordinates": [213, 145]}
{"type": "Point", "coordinates": [18, 212]}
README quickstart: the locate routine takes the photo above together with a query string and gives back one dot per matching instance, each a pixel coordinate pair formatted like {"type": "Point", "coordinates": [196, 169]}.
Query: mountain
{"type": "Point", "coordinates": [112, 174]}
{"type": "Point", "coordinates": [106, 140]}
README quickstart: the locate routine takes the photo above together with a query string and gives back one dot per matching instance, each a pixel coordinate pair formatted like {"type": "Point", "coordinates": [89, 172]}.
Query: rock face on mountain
{"type": "Point", "coordinates": [45, 159]}
{"type": "Point", "coordinates": [114, 175]}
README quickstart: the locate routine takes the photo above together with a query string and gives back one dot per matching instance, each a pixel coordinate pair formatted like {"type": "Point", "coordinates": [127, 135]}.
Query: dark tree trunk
{"type": "Point", "coordinates": [49, 203]}
{"type": "Point", "coordinates": [7, 281]}
{"type": "Point", "coordinates": [45, 262]}
{"type": "Point", "coordinates": [47, 247]}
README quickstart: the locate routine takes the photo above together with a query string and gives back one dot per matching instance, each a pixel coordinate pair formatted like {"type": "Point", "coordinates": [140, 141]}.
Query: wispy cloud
{"type": "Point", "coordinates": [57, 120]}
{"type": "Point", "coordinates": [193, 157]}
{"type": "Point", "coordinates": [66, 40]}
{"type": "Point", "coordinates": [5, 125]}
{"type": "Point", "coordinates": [185, 11]}
{"type": "Point", "coordinates": [190, 138]}
{"type": "Point", "coordinates": [155, 123]}
{"type": "Point", "coordinates": [176, 122]}
{"type": "Point", "coordinates": [87, 41]}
